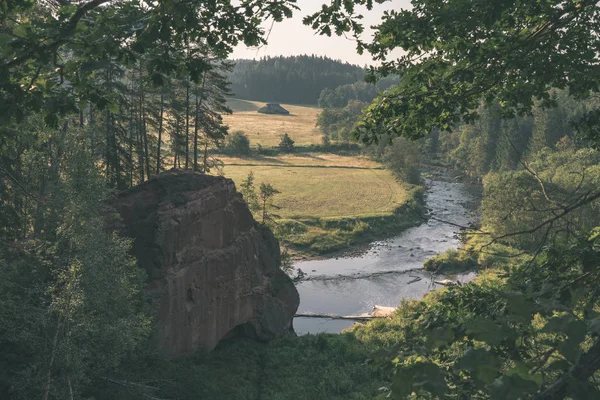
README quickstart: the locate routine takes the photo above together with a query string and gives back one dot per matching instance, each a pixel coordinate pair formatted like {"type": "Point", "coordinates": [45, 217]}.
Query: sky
{"type": "Point", "coordinates": [291, 37]}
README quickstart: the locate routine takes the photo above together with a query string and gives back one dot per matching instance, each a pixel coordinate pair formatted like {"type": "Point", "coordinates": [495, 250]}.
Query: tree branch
{"type": "Point", "coordinates": [585, 367]}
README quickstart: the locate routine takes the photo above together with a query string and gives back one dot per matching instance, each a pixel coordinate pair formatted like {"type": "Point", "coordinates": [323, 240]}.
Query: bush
{"type": "Point", "coordinates": [239, 143]}
{"type": "Point", "coordinates": [286, 144]}
{"type": "Point", "coordinates": [451, 261]}
{"type": "Point", "coordinates": [404, 158]}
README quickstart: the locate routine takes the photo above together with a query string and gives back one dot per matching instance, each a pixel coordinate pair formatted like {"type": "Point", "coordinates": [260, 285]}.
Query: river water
{"type": "Point", "coordinates": [346, 286]}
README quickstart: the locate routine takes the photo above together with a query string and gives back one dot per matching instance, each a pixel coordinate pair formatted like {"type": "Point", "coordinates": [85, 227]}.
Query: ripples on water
{"type": "Point", "coordinates": [403, 253]}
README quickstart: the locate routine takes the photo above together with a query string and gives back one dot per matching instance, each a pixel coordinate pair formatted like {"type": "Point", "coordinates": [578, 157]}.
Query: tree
{"type": "Point", "coordinates": [267, 191]}
{"type": "Point", "coordinates": [50, 59]}
{"type": "Point", "coordinates": [403, 159]}
{"type": "Point", "coordinates": [249, 192]}
{"type": "Point", "coordinates": [457, 53]}
{"type": "Point", "coordinates": [291, 80]}
{"type": "Point", "coordinates": [239, 143]}
{"type": "Point", "coordinates": [71, 296]}
{"type": "Point", "coordinates": [286, 144]}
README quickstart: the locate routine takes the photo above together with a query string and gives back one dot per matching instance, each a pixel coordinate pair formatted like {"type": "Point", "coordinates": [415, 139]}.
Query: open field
{"type": "Point", "coordinates": [329, 202]}
{"type": "Point", "coordinates": [326, 192]}
{"type": "Point", "coordinates": [266, 129]}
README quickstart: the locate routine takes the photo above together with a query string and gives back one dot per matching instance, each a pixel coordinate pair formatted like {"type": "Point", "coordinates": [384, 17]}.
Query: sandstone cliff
{"type": "Point", "coordinates": [213, 271]}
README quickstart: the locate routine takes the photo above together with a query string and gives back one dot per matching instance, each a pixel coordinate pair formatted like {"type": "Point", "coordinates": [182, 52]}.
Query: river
{"type": "Point", "coordinates": [347, 286]}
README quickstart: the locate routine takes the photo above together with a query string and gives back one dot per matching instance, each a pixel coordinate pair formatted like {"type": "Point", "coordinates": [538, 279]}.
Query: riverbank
{"type": "Point", "coordinates": [317, 238]}
{"type": "Point", "coordinates": [390, 270]}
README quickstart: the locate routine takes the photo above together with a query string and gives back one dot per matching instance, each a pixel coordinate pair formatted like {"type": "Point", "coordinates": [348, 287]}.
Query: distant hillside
{"type": "Point", "coordinates": [292, 80]}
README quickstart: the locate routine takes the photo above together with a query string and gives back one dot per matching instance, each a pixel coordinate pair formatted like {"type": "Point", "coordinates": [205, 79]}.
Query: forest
{"type": "Point", "coordinates": [292, 80]}
{"type": "Point", "coordinates": [98, 97]}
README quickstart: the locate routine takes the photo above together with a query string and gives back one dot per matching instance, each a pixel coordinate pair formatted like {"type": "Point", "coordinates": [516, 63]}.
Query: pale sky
{"type": "Point", "coordinates": [291, 37]}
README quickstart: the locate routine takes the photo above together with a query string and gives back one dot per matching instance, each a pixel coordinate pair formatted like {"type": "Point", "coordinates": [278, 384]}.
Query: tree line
{"type": "Point", "coordinates": [292, 80]}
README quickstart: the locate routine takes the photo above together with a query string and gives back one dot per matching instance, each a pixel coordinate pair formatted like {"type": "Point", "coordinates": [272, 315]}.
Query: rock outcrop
{"type": "Point", "coordinates": [273, 108]}
{"type": "Point", "coordinates": [213, 271]}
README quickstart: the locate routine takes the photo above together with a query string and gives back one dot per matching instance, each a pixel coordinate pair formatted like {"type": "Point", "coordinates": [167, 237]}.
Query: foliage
{"type": "Point", "coordinates": [338, 123]}
{"type": "Point", "coordinates": [498, 338]}
{"type": "Point", "coordinates": [238, 143]}
{"type": "Point", "coordinates": [53, 53]}
{"type": "Point", "coordinates": [322, 366]}
{"type": "Point", "coordinates": [71, 297]}
{"type": "Point", "coordinates": [522, 200]}
{"type": "Point", "coordinates": [266, 193]}
{"type": "Point", "coordinates": [456, 53]}
{"type": "Point", "coordinates": [360, 91]}
{"type": "Point", "coordinates": [403, 158]}
{"type": "Point", "coordinates": [450, 262]}
{"type": "Point", "coordinates": [286, 144]}
{"type": "Point", "coordinates": [293, 80]}
{"type": "Point", "coordinates": [249, 192]}
{"type": "Point", "coordinates": [341, 95]}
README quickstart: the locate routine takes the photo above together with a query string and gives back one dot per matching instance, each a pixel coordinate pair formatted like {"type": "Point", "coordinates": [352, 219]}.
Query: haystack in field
{"type": "Point", "coordinates": [273, 108]}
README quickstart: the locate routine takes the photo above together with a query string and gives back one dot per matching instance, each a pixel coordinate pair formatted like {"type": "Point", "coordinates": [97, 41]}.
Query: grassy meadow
{"type": "Point", "coordinates": [326, 191]}
{"type": "Point", "coordinates": [328, 201]}
{"type": "Point", "coordinates": [266, 129]}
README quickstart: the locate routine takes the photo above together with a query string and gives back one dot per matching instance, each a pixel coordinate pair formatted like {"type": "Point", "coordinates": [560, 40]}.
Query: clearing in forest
{"type": "Point", "coordinates": [327, 201]}
{"type": "Point", "coordinates": [266, 129]}
{"type": "Point", "coordinates": [354, 187]}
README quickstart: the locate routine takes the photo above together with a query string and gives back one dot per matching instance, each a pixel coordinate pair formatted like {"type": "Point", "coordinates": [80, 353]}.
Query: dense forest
{"type": "Point", "coordinates": [96, 97]}
{"type": "Point", "coordinates": [292, 80]}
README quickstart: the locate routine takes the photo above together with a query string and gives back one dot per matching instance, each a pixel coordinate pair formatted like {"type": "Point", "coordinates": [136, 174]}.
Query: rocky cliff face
{"type": "Point", "coordinates": [213, 271]}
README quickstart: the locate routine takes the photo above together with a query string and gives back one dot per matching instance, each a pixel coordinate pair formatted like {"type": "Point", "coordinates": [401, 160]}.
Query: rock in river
{"type": "Point", "coordinates": [213, 271]}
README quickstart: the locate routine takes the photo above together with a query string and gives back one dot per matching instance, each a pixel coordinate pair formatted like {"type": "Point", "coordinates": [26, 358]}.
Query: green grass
{"type": "Point", "coordinates": [330, 202]}
{"type": "Point", "coordinates": [327, 191]}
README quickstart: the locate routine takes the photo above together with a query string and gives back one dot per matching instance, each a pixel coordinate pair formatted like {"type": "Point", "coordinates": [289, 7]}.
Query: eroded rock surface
{"type": "Point", "coordinates": [213, 271]}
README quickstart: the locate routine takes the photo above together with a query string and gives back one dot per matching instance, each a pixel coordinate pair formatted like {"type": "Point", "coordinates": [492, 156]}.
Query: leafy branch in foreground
{"type": "Point", "coordinates": [457, 53]}
{"type": "Point", "coordinates": [533, 332]}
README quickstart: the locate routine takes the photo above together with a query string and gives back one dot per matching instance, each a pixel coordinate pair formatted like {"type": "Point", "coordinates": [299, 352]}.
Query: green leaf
{"type": "Point", "coordinates": [440, 336]}
{"type": "Point", "coordinates": [519, 305]}
{"type": "Point", "coordinates": [570, 349]}
{"type": "Point", "coordinates": [594, 325]}
{"type": "Point", "coordinates": [481, 364]}
{"type": "Point", "coordinates": [512, 387]}
{"type": "Point", "coordinates": [487, 331]}
{"type": "Point", "coordinates": [421, 377]}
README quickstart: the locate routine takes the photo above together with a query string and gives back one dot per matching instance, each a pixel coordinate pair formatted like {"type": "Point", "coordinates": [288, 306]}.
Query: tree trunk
{"type": "Point", "coordinates": [187, 124]}
{"type": "Point", "coordinates": [131, 129]}
{"type": "Point", "coordinates": [145, 136]}
{"type": "Point", "coordinates": [140, 139]}
{"type": "Point", "coordinates": [205, 168]}
{"type": "Point", "coordinates": [197, 126]}
{"type": "Point", "coordinates": [51, 363]}
{"type": "Point", "coordinates": [160, 130]}
{"type": "Point", "coordinates": [196, 135]}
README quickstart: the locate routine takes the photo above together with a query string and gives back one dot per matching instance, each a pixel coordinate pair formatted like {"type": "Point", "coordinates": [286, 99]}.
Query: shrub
{"type": "Point", "coordinates": [286, 144]}
{"type": "Point", "coordinates": [450, 262]}
{"type": "Point", "coordinates": [239, 143]}
{"type": "Point", "coordinates": [403, 158]}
